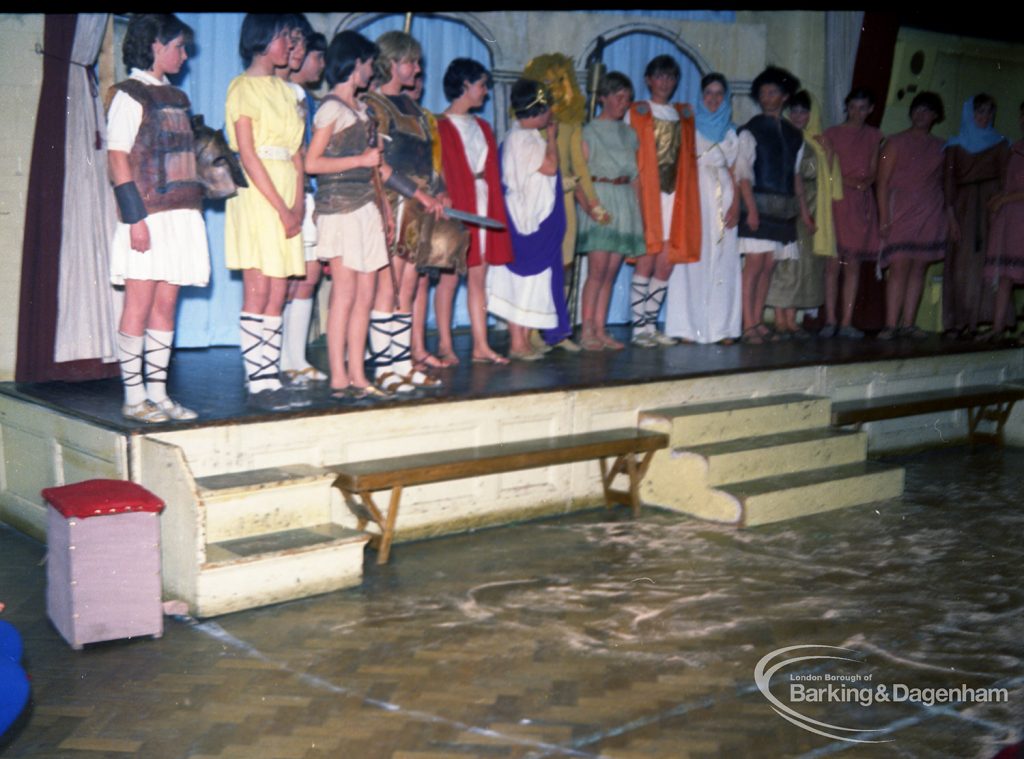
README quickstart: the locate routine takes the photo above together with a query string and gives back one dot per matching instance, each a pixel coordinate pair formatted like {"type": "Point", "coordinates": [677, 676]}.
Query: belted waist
{"type": "Point", "coordinates": [274, 153]}
{"type": "Point", "coordinates": [613, 180]}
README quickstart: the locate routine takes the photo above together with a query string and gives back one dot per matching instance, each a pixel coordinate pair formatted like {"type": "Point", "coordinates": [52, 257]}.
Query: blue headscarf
{"type": "Point", "coordinates": [973, 138]}
{"type": "Point", "coordinates": [714, 126]}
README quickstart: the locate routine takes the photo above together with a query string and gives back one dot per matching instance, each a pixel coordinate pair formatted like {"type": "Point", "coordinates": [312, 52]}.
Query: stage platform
{"type": "Point", "coordinates": [250, 507]}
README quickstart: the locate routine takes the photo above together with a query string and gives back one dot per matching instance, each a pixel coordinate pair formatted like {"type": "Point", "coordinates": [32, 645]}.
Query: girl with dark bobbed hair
{"type": "Point", "coordinates": [350, 225]}
{"type": "Point", "coordinates": [263, 223]}
{"type": "Point", "coordinates": [469, 161]}
{"type": "Point", "coordinates": [912, 215]}
{"type": "Point", "coordinates": [975, 158]}
{"type": "Point", "coordinates": [160, 243]}
{"type": "Point", "coordinates": [767, 170]}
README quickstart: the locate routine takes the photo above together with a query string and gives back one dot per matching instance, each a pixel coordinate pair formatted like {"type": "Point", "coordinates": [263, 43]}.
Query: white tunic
{"type": "Point", "coordinates": [179, 252]}
{"type": "Point", "coordinates": [475, 145]}
{"type": "Point", "coordinates": [530, 199]}
{"type": "Point", "coordinates": [704, 297]}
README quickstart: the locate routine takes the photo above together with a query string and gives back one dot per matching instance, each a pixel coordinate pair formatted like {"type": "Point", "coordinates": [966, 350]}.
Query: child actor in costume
{"type": "Point", "coordinates": [528, 293]}
{"type": "Point", "coordinates": [160, 243]}
{"type": "Point", "coordinates": [350, 224]}
{"type": "Point", "coordinates": [424, 239]}
{"type": "Point", "coordinates": [669, 198]}
{"type": "Point", "coordinates": [469, 156]}
{"type": "Point", "coordinates": [611, 227]}
{"type": "Point", "coordinates": [263, 225]}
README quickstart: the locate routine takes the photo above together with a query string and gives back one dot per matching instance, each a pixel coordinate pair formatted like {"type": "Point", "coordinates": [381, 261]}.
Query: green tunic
{"type": "Point", "coordinates": [613, 146]}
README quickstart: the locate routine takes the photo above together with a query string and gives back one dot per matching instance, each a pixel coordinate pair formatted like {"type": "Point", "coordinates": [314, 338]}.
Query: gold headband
{"type": "Point", "coordinates": [539, 99]}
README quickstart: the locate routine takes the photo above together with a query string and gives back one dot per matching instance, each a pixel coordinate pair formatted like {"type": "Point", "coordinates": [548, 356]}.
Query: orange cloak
{"type": "Point", "coordinates": [684, 236]}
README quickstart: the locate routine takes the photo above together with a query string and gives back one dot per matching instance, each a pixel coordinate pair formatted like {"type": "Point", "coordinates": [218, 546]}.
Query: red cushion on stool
{"type": "Point", "coordinates": [97, 497]}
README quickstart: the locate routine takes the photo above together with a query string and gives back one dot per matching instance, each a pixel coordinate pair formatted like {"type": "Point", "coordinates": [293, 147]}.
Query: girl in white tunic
{"type": "Point", "coordinates": [704, 296]}
{"type": "Point", "coordinates": [160, 242]}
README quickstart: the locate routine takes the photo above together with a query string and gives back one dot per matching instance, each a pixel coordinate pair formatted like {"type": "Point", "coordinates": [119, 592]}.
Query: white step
{"type": "Point", "coordinates": [773, 499]}
{"type": "Point", "coordinates": [262, 501]}
{"type": "Point", "coordinates": [755, 457]}
{"type": "Point", "coordinates": [704, 423]}
{"type": "Point", "coordinates": [256, 571]}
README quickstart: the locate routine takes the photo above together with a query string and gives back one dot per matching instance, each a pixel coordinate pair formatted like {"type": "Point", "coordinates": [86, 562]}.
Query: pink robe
{"type": "Point", "coordinates": [1005, 256]}
{"type": "Point", "coordinates": [856, 215]}
{"type": "Point", "coordinates": [916, 202]}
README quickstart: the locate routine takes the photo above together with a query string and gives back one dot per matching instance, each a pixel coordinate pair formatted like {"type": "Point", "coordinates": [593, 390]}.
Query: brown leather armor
{"type": "Point", "coordinates": [163, 157]}
{"type": "Point", "coordinates": [346, 191]}
{"type": "Point", "coordinates": [427, 242]}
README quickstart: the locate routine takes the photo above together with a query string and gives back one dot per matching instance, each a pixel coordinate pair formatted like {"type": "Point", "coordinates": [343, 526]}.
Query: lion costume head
{"type": "Point", "coordinates": [555, 71]}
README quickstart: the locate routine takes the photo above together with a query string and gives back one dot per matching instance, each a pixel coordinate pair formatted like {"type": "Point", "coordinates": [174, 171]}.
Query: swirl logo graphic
{"type": "Point", "coordinates": [763, 675]}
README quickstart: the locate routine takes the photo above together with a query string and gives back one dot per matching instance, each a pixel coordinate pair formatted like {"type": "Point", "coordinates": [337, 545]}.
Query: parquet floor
{"type": "Point", "coordinates": [588, 636]}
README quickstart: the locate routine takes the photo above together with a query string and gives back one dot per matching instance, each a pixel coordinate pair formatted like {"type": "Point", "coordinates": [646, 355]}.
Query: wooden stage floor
{"type": "Point", "coordinates": [210, 380]}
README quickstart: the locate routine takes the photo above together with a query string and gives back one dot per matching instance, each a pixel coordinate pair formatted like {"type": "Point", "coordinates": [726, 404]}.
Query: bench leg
{"type": "Point", "coordinates": [629, 465]}
{"type": "Point", "coordinates": [388, 532]}
{"type": "Point", "coordinates": [386, 523]}
{"type": "Point", "coordinates": [996, 412]}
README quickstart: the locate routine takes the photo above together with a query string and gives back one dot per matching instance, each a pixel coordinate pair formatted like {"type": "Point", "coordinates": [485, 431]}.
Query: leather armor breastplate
{"type": "Point", "coordinates": [163, 157]}
{"type": "Point", "coordinates": [408, 149]}
{"type": "Point", "coordinates": [346, 191]}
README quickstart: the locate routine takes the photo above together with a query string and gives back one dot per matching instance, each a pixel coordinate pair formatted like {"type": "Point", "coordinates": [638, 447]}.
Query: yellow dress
{"type": "Point", "coordinates": [253, 232]}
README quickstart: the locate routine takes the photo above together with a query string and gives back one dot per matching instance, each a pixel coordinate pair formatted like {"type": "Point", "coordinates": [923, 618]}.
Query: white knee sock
{"type": "Point", "coordinates": [296, 316]}
{"type": "Point", "coordinates": [156, 358]}
{"type": "Point", "coordinates": [379, 347]}
{"type": "Point", "coordinates": [401, 340]}
{"type": "Point", "coordinates": [251, 326]}
{"type": "Point", "coordinates": [638, 304]}
{"type": "Point", "coordinates": [655, 297]}
{"type": "Point", "coordinates": [270, 367]}
{"type": "Point", "coordinates": [129, 354]}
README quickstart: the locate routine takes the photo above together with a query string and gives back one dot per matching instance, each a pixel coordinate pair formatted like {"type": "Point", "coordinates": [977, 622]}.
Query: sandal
{"type": "Point", "coordinates": [448, 359]}
{"type": "Point", "coordinates": [592, 343]}
{"type": "Point", "coordinates": [428, 360]}
{"type": "Point", "coordinates": [390, 382]}
{"type": "Point", "coordinates": [751, 336]}
{"type": "Point", "coordinates": [369, 392]}
{"type": "Point", "coordinates": [175, 410]}
{"type": "Point", "coordinates": [419, 378]}
{"type": "Point", "coordinates": [610, 343]}
{"type": "Point", "coordinates": [495, 359]}
{"type": "Point", "coordinates": [146, 411]}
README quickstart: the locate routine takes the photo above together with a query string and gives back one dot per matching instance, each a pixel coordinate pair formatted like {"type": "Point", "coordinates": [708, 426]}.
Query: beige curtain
{"type": "Point", "coordinates": [86, 321]}
{"type": "Point", "coordinates": [842, 35]}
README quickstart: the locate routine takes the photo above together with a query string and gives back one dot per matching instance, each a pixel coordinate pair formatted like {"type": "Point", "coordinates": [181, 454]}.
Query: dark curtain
{"type": "Point", "coordinates": [873, 70]}
{"type": "Point", "coordinates": [37, 314]}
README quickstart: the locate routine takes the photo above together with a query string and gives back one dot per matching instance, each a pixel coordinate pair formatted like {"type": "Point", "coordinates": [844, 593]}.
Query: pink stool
{"type": "Point", "coordinates": [103, 561]}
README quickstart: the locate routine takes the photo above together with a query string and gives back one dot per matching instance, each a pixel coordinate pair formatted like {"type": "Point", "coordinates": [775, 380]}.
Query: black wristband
{"type": "Point", "coordinates": [129, 203]}
{"type": "Point", "coordinates": [401, 184]}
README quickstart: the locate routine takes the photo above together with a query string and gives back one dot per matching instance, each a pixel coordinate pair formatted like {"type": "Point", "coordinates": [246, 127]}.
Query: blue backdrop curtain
{"type": "Point", "coordinates": [209, 315]}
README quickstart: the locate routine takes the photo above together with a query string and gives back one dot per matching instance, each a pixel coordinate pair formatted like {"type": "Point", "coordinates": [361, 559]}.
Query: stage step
{"type": "Point", "coordinates": [767, 455]}
{"type": "Point", "coordinates": [756, 461]}
{"type": "Point", "coordinates": [773, 499]}
{"type": "Point", "coordinates": [263, 501]}
{"type": "Point", "coordinates": [704, 423]}
{"type": "Point", "coordinates": [285, 565]}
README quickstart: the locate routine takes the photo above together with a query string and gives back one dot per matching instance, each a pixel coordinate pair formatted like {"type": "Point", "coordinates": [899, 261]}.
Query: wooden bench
{"type": "Point", "coordinates": [991, 403]}
{"type": "Point", "coordinates": [631, 448]}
